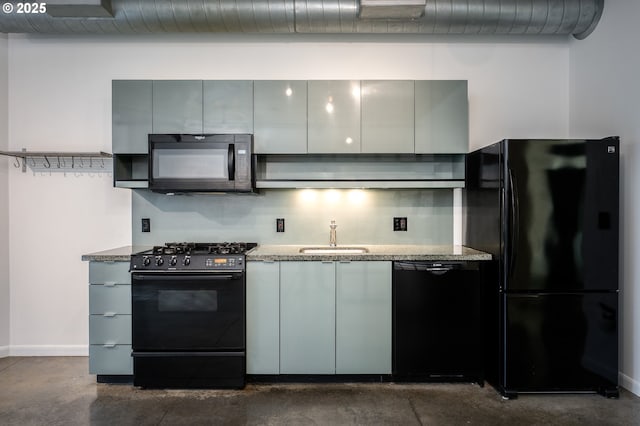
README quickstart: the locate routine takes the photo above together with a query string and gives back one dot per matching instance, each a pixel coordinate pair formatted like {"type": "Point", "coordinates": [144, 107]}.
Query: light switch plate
{"type": "Point", "coordinates": [399, 223]}
{"type": "Point", "coordinates": [146, 224]}
{"type": "Point", "coordinates": [280, 225]}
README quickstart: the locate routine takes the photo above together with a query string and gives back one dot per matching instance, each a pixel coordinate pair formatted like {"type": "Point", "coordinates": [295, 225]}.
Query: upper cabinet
{"type": "Point", "coordinates": [177, 106]}
{"type": "Point", "coordinates": [334, 116]}
{"type": "Point", "coordinates": [131, 115]}
{"type": "Point", "coordinates": [228, 106]}
{"type": "Point", "coordinates": [280, 117]}
{"type": "Point", "coordinates": [442, 117]}
{"type": "Point", "coordinates": [300, 117]}
{"type": "Point", "coordinates": [387, 116]}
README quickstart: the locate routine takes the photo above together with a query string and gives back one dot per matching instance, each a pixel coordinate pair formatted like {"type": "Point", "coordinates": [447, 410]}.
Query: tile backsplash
{"type": "Point", "coordinates": [363, 216]}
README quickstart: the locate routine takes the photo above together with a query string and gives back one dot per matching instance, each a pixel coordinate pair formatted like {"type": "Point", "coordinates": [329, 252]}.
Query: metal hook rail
{"type": "Point", "coordinates": [61, 161]}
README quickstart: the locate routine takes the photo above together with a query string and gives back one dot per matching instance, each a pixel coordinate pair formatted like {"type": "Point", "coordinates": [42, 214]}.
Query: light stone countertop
{"type": "Point", "coordinates": [120, 254]}
{"type": "Point", "coordinates": [376, 252]}
{"type": "Point", "coordinates": [292, 252]}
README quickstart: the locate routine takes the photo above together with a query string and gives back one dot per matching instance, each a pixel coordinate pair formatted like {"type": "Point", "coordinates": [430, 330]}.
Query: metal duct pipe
{"type": "Point", "coordinates": [514, 17]}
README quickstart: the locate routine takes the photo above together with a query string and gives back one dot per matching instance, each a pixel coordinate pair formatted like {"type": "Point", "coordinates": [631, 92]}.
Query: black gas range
{"type": "Point", "coordinates": [196, 257]}
{"type": "Point", "coordinates": [188, 315]}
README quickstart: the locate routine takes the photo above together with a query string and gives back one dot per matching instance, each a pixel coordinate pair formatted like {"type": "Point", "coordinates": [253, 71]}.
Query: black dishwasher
{"type": "Point", "coordinates": [437, 322]}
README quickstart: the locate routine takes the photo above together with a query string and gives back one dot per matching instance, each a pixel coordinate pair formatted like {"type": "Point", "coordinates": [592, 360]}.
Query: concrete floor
{"type": "Point", "coordinates": [59, 391]}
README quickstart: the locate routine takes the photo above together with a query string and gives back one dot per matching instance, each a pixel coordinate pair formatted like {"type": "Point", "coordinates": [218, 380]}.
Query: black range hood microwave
{"type": "Point", "coordinates": [201, 163]}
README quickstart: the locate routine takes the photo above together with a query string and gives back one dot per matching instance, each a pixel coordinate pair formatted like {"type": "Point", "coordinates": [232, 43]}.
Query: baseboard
{"type": "Point", "coordinates": [4, 351]}
{"type": "Point", "coordinates": [49, 350]}
{"type": "Point", "coordinates": [630, 384]}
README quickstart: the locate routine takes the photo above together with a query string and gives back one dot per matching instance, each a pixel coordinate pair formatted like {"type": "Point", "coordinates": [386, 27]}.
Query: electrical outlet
{"type": "Point", "coordinates": [146, 224]}
{"type": "Point", "coordinates": [399, 223]}
{"type": "Point", "coordinates": [280, 225]}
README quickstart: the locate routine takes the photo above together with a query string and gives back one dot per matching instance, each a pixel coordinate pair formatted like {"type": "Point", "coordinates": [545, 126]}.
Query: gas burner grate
{"type": "Point", "coordinates": [203, 248]}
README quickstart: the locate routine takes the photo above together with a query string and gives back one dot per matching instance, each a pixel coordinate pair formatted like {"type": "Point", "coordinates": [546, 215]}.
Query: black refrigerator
{"type": "Point", "coordinates": [547, 210]}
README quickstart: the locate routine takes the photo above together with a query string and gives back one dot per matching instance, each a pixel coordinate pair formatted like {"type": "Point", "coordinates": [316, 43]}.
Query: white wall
{"type": "Point", "coordinates": [605, 100]}
{"type": "Point", "coordinates": [60, 99]}
{"type": "Point", "coordinates": [4, 203]}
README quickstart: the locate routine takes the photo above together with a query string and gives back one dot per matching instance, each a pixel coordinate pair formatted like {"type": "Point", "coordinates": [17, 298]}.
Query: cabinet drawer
{"type": "Point", "coordinates": [109, 330]}
{"type": "Point", "coordinates": [109, 273]}
{"type": "Point", "coordinates": [109, 299]}
{"type": "Point", "coordinates": [114, 359]}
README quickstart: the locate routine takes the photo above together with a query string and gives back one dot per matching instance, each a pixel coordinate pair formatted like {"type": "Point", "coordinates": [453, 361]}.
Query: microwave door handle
{"type": "Point", "coordinates": [231, 164]}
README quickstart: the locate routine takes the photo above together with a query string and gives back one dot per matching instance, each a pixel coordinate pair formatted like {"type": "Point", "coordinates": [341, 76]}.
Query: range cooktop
{"type": "Point", "coordinates": [192, 257]}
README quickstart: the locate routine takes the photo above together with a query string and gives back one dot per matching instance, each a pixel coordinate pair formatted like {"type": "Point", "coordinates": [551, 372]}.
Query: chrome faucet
{"type": "Point", "coordinates": [332, 233]}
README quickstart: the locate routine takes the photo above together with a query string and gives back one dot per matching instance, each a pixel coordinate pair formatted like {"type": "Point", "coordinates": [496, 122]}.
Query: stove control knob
{"type": "Point", "coordinates": [159, 261]}
{"type": "Point", "coordinates": [187, 261]}
{"type": "Point", "coordinates": [173, 261]}
{"type": "Point", "coordinates": [146, 261]}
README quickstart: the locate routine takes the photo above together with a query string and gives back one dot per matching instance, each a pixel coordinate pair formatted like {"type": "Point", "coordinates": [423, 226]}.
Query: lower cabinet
{"type": "Point", "coordinates": [307, 318]}
{"type": "Point", "coordinates": [263, 318]}
{"type": "Point", "coordinates": [110, 319]}
{"type": "Point", "coordinates": [311, 317]}
{"type": "Point", "coordinates": [363, 318]}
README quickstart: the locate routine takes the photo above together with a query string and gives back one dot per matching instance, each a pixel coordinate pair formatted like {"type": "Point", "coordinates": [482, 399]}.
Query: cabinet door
{"type": "Point", "coordinates": [263, 317]}
{"type": "Point", "coordinates": [280, 117]}
{"type": "Point", "coordinates": [363, 318]}
{"type": "Point", "coordinates": [387, 116]}
{"type": "Point", "coordinates": [110, 359]}
{"type": "Point", "coordinates": [177, 106]}
{"type": "Point", "coordinates": [106, 330]}
{"type": "Point", "coordinates": [442, 117]}
{"type": "Point", "coordinates": [131, 102]}
{"type": "Point", "coordinates": [109, 273]}
{"type": "Point", "coordinates": [307, 318]}
{"type": "Point", "coordinates": [228, 106]}
{"type": "Point", "coordinates": [334, 116]}
{"type": "Point", "coordinates": [110, 299]}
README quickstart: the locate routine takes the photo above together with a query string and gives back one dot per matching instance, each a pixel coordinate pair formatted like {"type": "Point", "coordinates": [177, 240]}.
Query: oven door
{"type": "Point", "coordinates": [176, 312]}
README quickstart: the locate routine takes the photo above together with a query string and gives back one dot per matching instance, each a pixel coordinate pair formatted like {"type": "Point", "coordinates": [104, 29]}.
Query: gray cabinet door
{"type": "Point", "coordinates": [307, 318]}
{"type": "Point", "coordinates": [263, 318]}
{"type": "Point", "coordinates": [131, 103]}
{"type": "Point", "coordinates": [334, 116]}
{"type": "Point", "coordinates": [280, 117]}
{"type": "Point", "coordinates": [363, 318]}
{"type": "Point", "coordinates": [387, 116]}
{"type": "Point", "coordinates": [442, 117]}
{"type": "Point", "coordinates": [177, 106]}
{"type": "Point", "coordinates": [228, 106]}
{"type": "Point", "coordinates": [110, 359]}
{"type": "Point", "coordinates": [109, 273]}
{"type": "Point", "coordinates": [110, 299]}
{"type": "Point", "coordinates": [110, 330]}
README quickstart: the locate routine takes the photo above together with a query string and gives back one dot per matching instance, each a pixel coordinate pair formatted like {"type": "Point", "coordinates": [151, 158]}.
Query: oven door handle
{"type": "Point", "coordinates": [200, 277]}
{"type": "Point", "coordinates": [176, 353]}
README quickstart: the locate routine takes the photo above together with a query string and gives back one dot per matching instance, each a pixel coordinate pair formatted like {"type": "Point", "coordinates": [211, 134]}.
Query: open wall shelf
{"type": "Point", "coordinates": [54, 161]}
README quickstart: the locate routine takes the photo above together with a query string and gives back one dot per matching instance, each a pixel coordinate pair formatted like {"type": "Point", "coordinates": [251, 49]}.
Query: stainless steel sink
{"type": "Point", "coordinates": [334, 250]}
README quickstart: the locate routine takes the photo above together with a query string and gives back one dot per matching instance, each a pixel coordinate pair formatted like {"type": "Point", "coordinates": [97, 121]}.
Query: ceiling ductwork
{"type": "Point", "coordinates": [471, 17]}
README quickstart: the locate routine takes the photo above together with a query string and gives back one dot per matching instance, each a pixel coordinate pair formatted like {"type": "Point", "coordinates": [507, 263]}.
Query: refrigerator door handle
{"type": "Point", "coordinates": [514, 217]}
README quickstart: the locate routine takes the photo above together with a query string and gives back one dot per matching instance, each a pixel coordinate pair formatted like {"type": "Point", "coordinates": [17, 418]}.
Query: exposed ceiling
{"type": "Point", "coordinates": [470, 17]}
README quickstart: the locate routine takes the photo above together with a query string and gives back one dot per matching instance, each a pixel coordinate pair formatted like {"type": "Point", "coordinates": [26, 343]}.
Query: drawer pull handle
{"type": "Point", "coordinates": [110, 284]}
{"type": "Point", "coordinates": [110, 314]}
{"type": "Point", "coordinates": [109, 345]}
